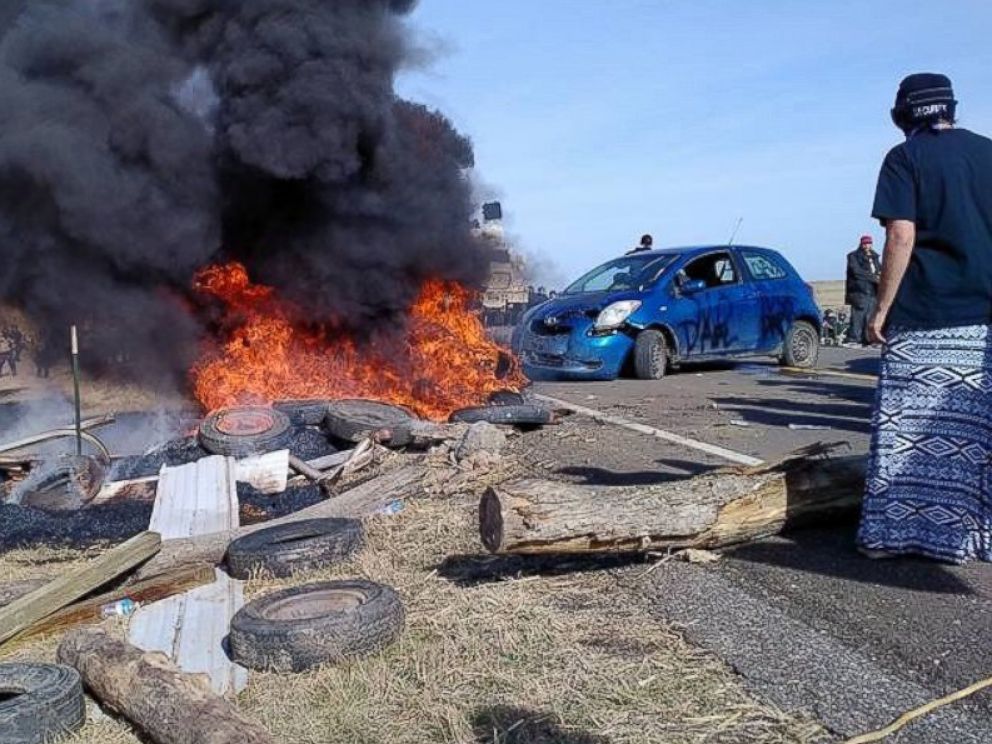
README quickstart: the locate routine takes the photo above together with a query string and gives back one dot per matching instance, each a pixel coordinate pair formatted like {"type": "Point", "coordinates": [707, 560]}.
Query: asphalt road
{"type": "Point", "coordinates": [865, 639]}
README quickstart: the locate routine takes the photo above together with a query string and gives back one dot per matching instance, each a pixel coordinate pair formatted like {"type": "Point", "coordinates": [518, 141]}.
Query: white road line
{"type": "Point", "coordinates": [710, 449]}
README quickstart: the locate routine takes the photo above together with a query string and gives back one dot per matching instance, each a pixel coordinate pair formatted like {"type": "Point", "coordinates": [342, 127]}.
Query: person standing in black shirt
{"type": "Point", "coordinates": [928, 489]}
{"type": "Point", "coordinates": [863, 271]}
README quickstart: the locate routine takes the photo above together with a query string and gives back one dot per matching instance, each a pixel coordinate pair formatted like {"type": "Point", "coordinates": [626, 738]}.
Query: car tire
{"type": "Point", "coordinates": [506, 414]}
{"type": "Point", "coordinates": [355, 420]}
{"type": "Point", "coordinates": [296, 629]}
{"type": "Point", "coordinates": [66, 484]}
{"type": "Point", "coordinates": [298, 546]}
{"type": "Point", "coordinates": [303, 412]}
{"type": "Point", "coordinates": [801, 348]}
{"type": "Point", "coordinates": [506, 398]}
{"type": "Point", "coordinates": [650, 355]}
{"type": "Point", "coordinates": [245, 431]}
{"type": "Point", "coordinates": [46, 703]}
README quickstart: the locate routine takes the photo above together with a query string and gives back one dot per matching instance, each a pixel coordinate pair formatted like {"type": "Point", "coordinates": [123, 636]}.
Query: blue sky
{"type": "Point", "coordinates": [597, 120]}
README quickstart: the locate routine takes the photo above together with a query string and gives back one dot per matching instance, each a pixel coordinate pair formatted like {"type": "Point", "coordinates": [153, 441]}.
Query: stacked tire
{"type": "Point", "coordinates": [326, 622]}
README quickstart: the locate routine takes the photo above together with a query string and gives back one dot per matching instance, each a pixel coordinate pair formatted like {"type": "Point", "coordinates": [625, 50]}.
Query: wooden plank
{"type": "Point", "coordinates": [136, 489]}
{"type": "Point", "coordinates": [149, 590]}
{"type": "Point", "coordinates": [194, 499]}
{"type": "Point", "coordinates": [16, 589]}
{"type": "Point", "coordinates": [29, 609]}
{"type": "Point", "coordinates": [330, 461]}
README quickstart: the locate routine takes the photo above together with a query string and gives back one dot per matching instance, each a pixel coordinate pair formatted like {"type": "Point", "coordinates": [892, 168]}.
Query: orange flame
{"type": "Point", "coordinates": [443, 362]}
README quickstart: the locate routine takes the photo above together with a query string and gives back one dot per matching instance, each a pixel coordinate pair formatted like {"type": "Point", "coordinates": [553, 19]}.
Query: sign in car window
{"type": "Point", "coordinates": [762, 267]}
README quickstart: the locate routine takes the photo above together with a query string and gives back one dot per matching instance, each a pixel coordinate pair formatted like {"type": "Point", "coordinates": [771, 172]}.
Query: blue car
{"type": "Point", "coordinates": [646, 312]}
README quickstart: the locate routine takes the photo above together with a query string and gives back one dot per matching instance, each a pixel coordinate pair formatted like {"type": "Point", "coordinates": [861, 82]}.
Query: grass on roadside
{"type": "Point", "coordinates": [566, 659]}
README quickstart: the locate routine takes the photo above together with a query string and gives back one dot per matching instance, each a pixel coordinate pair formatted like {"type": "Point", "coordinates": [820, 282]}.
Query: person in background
{"type": "Point", "coordinates": [646, 244]}
{"type": "Point", "coordinates": [45, 353]}
{"type": "Point", "coordinates": [863, 272]}
{"type": "Point", "coordinates": [928, 490]}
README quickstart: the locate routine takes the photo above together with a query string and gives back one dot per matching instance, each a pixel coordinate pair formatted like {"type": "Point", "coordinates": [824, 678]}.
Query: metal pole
{"type": "Point", "coordinates": [75, 385]}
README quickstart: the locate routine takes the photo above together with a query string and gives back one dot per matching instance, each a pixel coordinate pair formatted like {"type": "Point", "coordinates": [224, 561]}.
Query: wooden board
{"type": "Point", "coordinates": [23, 612]}
{"type": "Point", "coordinates": [196, 499]}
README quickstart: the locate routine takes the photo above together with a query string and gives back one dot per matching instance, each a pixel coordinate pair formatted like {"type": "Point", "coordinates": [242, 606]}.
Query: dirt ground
{"type": "Point", "coordinates": [494, 651]}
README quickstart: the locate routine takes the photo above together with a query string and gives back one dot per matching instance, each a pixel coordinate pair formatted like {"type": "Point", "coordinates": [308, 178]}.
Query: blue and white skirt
{"type": "Point", "coordinates": [929, 490]}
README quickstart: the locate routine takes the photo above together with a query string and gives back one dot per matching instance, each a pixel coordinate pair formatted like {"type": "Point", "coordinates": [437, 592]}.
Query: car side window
{"type": "Point", "coordinates": [763, 267]}
{"type": "Point", "coordinates": [716, 269]}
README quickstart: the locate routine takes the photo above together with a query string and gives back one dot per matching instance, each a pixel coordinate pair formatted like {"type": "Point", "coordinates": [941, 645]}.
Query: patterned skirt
{"type": "Point", "coordinates": [929, 490]}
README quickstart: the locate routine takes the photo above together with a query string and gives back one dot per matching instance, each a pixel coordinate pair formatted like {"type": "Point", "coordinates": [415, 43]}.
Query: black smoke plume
{"type": "Point", "coordinates": [141, 140]}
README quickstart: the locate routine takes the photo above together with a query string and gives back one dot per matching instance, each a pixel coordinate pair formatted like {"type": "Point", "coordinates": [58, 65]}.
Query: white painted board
{"type": "Point", "coordinates": [191, 628]}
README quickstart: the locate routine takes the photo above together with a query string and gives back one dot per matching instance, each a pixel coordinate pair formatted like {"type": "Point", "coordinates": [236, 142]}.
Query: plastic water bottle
{"type": "Point", "coordinates": [121, 608]}
{"type": "Point", "coordinates": [393, 507]}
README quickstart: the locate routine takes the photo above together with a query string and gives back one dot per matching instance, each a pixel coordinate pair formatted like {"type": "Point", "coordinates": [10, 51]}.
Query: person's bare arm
{"type": "Point", "coordinates": [900, 235]}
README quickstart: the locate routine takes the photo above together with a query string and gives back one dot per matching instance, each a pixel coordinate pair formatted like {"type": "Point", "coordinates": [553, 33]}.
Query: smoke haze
{"type": "Point", "coordinates": [142, 140]}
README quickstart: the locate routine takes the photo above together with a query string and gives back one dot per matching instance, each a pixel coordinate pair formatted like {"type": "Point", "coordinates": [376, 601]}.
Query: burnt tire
{"type": "Point", "coordinates": [303, 412]}
{"type": "Point", "coordinates": [39, 703]}
{"type": "Point", "coordinates": [506, 398]}
{"type": "Point", "coordinates": [651, 355]}
{"type": "Point", "coordinates": [245, 431]}
{"type": "Point", "coordinates": [298, 546]}
{"type": "Point", "coordinates": [526, 414]}
{"type": "Point", "coordinates": [801, 347]}
{"type": "Point", "coordinates": [302, 627]}
{"type": "Point", "coordinates": [355, 420]}
{"type": "Point", "coordinates": [65, 484]}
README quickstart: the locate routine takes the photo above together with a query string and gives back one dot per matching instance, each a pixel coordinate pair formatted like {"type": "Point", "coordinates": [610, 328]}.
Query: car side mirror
{"type": "Point", "coordinates": [691, 286]}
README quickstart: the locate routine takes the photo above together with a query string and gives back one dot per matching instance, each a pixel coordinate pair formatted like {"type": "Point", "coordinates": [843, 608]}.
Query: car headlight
{"type": "Point", "coordinates": [613, 315]}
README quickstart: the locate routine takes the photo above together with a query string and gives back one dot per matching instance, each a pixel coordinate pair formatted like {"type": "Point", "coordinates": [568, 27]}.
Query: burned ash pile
{"type": "Point", "coordinates": [144, 140]}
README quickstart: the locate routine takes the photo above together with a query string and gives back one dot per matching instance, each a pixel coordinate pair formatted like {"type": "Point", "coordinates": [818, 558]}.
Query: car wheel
{"type": "Point", "coordinates": [802, 346]}
{"type": "Point", "coordinates": [296, 629]}
{"type": "Point", "coordinates": [244, 431]}
{"type": "Point", "coordinates": [40, 702]}
{"type": "Point", "coordinates": [355, 420]}
{"type": "Point", "coordinates": [524, 414]}
{"type": "Point", "coordinates": [650, 355]}
{"type": "Point", "coordinates": [295, 547]}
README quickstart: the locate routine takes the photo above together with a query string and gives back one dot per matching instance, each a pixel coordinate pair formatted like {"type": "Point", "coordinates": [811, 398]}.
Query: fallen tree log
{"type": "Point", "coordinates": [362, 500]}
{"type": "Point", "coordinates": [168, 706]}
{"type": "Point", "coordinates": [708, 511]}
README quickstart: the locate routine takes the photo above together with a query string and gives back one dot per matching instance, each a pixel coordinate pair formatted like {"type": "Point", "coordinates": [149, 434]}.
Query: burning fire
{"type": "Point", "coordinates": [442, 362]}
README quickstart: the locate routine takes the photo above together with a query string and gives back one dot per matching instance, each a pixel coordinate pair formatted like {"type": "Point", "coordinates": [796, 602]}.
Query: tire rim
{"type": "Point", "coordinates": [316, 604]}
{"type": "Point", "coordinates": [802, 346]}
{"type": "Point", "coordinates": [245, 422]}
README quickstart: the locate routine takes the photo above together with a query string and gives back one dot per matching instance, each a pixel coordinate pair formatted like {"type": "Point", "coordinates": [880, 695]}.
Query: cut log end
{"type": "Point", "coordinates": [491, 521]}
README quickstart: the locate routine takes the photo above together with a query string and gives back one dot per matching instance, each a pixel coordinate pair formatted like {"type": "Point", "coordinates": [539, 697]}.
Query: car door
{"type": "Point", "coordinates": [775, 300]}
{"type": "Point", "coordinates": [720, 317]}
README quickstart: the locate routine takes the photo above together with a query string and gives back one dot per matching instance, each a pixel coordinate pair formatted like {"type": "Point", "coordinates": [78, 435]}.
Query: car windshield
{"type": "Point", "coordinates": [629, 272]}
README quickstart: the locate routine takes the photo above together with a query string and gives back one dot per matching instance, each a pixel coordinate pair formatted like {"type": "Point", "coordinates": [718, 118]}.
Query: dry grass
{"type": "Point", "coordinates": [569, 659]}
